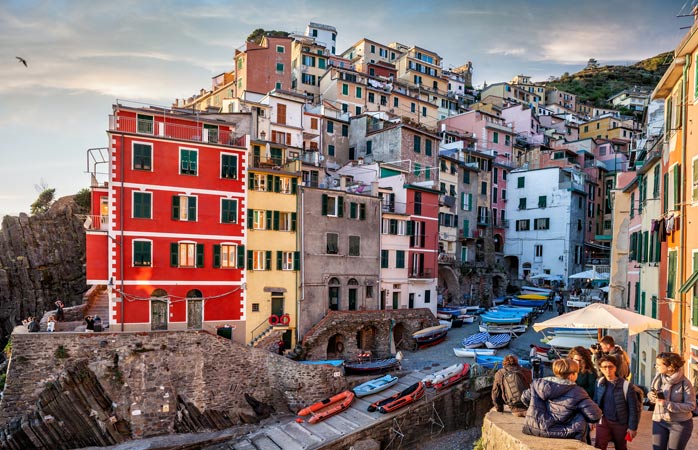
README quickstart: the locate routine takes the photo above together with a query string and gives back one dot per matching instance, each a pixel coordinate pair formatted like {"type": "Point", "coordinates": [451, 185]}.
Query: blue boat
{"type": "Point", "coordinates": [374, 386]}
{"type": "Point", "coordinates": [331, 362]}
{"type": "Point", "coordinates": [529, 303]}
{"type": "Point", "coordinates": [475, 340]}
{"type": "Point", "coordinates": [505, 308]}
{"type": "Point", "coordinates": [492, 318]}
{"type": "Point", "coordinates": [498, 340]}
{"type": "Point", "coordinates": [490, 362]}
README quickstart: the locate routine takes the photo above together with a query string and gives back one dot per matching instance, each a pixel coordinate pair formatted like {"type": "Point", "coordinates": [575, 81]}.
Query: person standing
{"type": "Point", "coordinates": [51, 324]}
{"type": "Point", "coordinates": [607, 346]}
{"type": "Point", "coordinates": [619, 407]}
{"type": "Point", "coordinates": [59, 310]}
{"type": "Point", "coordinates": [509, 384]}
{"type": "Point", "coordinates": [675, 399]}
{"type": "Point", "coordinates": [587, 374]}
{"type": "Point", "coordinates": [558, 407]}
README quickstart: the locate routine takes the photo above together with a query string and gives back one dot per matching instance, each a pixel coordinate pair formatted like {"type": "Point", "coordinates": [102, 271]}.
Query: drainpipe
{"type": "Point", "coordinates": [682, 200]}
{"type": "Point", "coordinates": [300, 225]}
{"type": "Point", "coordinates": [121, 232]}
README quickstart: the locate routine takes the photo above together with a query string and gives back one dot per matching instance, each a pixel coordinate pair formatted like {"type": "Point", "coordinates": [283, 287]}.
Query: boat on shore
{"type": "Point", "coordinates": [330, 362]}
{"type": "Point", "coordinates": [491, 362]}
{"type": "Point", "coordinates": [441, 375]}
{"type": "Point", "coordinates": [453, 379]}
{"type": "Point", "coordinates": [496, 341]}
{"type": "Point", "coordinates": [516, 301]}
{"type": "Point", "coordinates": [367, 367]}
{"type": "Point", "coordinates": [510, 329]}
{"type": "Point", "coordinates": [502, 318]}
{"type": "Point", "coordinates": [475, 340]}
{"type": "Point", "coordinates": [473, 352]}
{"type": "Point", "coordinates": [321, 410]}
{"type": "Point", "coordinates": [399, 400]}
{"type": "Point", "coordinates": [375, 386]}
{"type": "Point", "coordinates": [430, 336]}
{"type": "Point", "coordinates": [535, 290]}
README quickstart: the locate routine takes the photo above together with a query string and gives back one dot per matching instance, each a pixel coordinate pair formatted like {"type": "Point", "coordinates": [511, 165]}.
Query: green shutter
{"type": "Point", "coordinates": [279, 260]}
{"type": "Point", "coordinates": [671, 275]}
{"type": "Point", "coordinates": [466, 228]}
{"type": "Point", "coordinates": [191, 202]}
{"type": "Point", "coordinates": [216, 255]}
{"type": "Point", "coordinates": [665, 203]}
{"type": "Point", "coordinates": [470, 202]}
{"type": "Point", "coordinates": [175, 207]}
{"type": "Point", "coordinates": [276, 220]}
{"type": "Point", "coordinates": [199, 255]}
{"type": "Point", "coordinates": [250, 259]}
{"type": "Point", "coordinates": [324, 204]}
{"type": "Point", "coordinates": [293, 221]}
{"type": "Point", "coordinates": [250, 180]}
{"type": "Point", "coordinates": [270, 183]}
{"type": "Point", "coordinates": [677, 187]}
{"type": "Point", "coordinates": [250, 218]}
{"type": "Point", "coordinates": [410, 228]}
{"type": "Point", "coordinates": [267, 257]}
{"type": "Point", "coordinates": [174, 254]}
{"type": "Point", "coordinates": [277, 184]}
{"type": "Point", "coordinates": [294, 186]}
{"type": "Point", "coordinates": [241, 257]}
{"type": "Point", "coordinates": [296, 260]}
{"type": "Point", "coordinates": [340, 206]}
{"type": "Point", "coordinates": [269, 221]}
{"type": "Point", "coordinates": [362, 211]}
{"type": "Point", "coordinates": [352, 210]}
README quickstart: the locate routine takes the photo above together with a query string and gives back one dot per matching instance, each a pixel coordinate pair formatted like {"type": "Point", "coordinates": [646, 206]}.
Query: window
{"type": "Point", "coordinates": [259, 259]}
{"type": "Point", "coordinates": [142, 205]}
{"type": "Point", "coordinates": [345, 130]}
{"type": "Point", "coordinates": [280, 49]}
{"type": "Point", "coordinates": [287, 260]}
{"type": "Point", "coordinates": [559, 155]}
{"type": "Point", "coordinates": [539, 250]}
{"type": "Point", "coordinates": [279, 67]}
{"type": "Point", "coordinates": [183, 208]}
{"type": "Point", "coordinates": [384, 259]}
{"type": "Point", "coordinates": [345, 89]}
{"type": "Point", "coordinates": [144, 124]}
{"type": "Point", "coordinates": [504, 194]}
{"type": "Point", "coordinates": [371, 97]}
{"type": "Point", "coordinates": [307, 78]}
{"type": "Point", "coordinates": [417, 169]}
{"type": "Point", "coordinates": [225, 255]}
{"type": "Point", "coordinates": [424, 111]}
{"type": "Point", "coordinates": [142, 253]}
{"type": "Point", "coordinates": [399, 259]}
{"type": "Point", "coordinates": [229, 166]}
{"type": "Point", "coordinates": [507, 140]}
{"type": "Point", "coordinates": [330, 150]}
{"type": "Point", "coordinates": [186, 254]}
{"type": "Point", "coordinates": [259, 182]}
{"type": "Point", "coordinates": [483, 187]}
{"type": "Point", "coordinates": [522, 203]}
{"type": "Point", "coordinates": [332, 206]}
{"type": "Point", "coordinates": [332, 244]}
{"type": "Point", "coordinates": [520, 182]}
{"type": "Point", "coordinates": [229, 211]}
{"type": "Point", "coordinates": [523, 225]}
{"type": "Point", "coordinates": [281, 114]}
{"type": "Point", "coordinates": [427, 148]}
{"type": "Point", "coordinates": [354, 246]}
{"type": "Point", "coordinates": [321, 63]}
{"type": "Point", "coordinates": [541, 224]}
{"type": "Point", "coordinates": [413, 107]}
{"type": "Point", "coordinates": [142, 156]}
{"type": "Point", "coordinates": [369, 147]}
{"type": "Point", "coordinates": [188, 161]}
{"type": "Point", "coordinates": [542, 201]}
{"type": "Point", "coordinates": [417, 144]}
{"type": "Point", "coordinates": [330, 126]}
{"type": "Point", "coordinates": [358, 92]}
{"type": "Point", "coordinates": [495, 137]}
{"type": "Point", "coordinates": [671, 274]}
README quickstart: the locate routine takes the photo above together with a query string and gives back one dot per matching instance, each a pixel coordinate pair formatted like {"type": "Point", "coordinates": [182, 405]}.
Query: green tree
{"type": "Point", "coordinates": [44, 201]}
{"type": "Point", "coordinates": [82, 199]}
{"type": "Point", "coordinates": [257, 35]}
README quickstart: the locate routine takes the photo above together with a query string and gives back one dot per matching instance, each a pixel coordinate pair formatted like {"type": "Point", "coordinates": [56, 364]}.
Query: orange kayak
{"type": "Point", "coordinates": [330, 406]}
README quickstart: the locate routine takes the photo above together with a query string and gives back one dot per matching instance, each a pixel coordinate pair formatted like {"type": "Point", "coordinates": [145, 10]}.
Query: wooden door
{"type": "Point", "coordinates": [195, 310]}
{"type": "Point", "coordinates": [158, 315]}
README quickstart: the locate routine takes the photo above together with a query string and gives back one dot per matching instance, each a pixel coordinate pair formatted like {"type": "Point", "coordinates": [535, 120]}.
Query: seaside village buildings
{"type": "Point", "coordinates": [308, 180]}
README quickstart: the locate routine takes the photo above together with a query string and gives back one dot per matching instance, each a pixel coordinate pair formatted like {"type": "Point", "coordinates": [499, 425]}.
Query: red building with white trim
{"type": "Point", "coordinates": [167, 231]}
{"type": "Point", "coordinates": [423, 229]}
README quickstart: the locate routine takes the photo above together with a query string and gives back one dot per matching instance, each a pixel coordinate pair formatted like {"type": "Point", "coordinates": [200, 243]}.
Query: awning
{"type": "Point", "coordinates": [688, 285]}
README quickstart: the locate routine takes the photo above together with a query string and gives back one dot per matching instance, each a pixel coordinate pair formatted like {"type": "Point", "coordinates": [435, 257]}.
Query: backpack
{"type": "Point", "coordinates": [514, 385]}
{"type": "Point", "coordinates": [639, 394]}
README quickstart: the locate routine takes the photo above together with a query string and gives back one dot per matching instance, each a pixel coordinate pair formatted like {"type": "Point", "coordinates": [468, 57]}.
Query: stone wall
{"type": "Point", "coordinates": [42, 258]}
{"type": "Point", "coordinates": [373, 327]}
{"type": "Point", "coordinates": [67, 390]}
{"type": "Point", "coordinates": [502, 431]}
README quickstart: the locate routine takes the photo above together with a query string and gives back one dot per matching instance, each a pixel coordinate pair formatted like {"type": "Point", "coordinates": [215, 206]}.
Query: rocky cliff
{"type": "Point", "coordinates": [42, 258]}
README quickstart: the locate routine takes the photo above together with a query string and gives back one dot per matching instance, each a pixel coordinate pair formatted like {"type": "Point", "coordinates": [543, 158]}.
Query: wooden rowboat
{"type": "Point", "coordinates": [371, 367]}
{"type": "Point", "coordinates": [403, 398]}
{"type": "Point", "coordinates": [321, 410]}
{"type": "Point", "coordinates": [374, 386]}
{"type": "Point", "coordinates": [430, 336]}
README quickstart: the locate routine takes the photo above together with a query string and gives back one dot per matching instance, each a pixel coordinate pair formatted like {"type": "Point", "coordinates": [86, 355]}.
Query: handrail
{"type": "Point", "coordinates": [265, 321]}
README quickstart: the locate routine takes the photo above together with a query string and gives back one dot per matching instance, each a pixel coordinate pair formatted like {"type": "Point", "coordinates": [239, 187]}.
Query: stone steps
{"type": "Point", "coordinates": [291, 435]}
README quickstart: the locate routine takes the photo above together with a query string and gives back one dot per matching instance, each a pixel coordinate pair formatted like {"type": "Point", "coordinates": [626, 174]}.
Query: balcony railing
{"type": "Point", "coordinates": [395, 207]}
{"type": "Point", "coordinates": [176, 131]}
{"type": "Point", "coordinates": [93, 222]}
{"type": "Point", "coordinates": [424, 273]}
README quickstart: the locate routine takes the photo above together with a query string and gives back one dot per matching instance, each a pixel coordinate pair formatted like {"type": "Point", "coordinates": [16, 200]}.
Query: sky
{"type": "Point", "coordinates": [83, 55]}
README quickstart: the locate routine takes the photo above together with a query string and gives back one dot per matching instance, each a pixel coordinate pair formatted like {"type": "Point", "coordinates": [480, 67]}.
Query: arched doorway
{"type": "Point", "coordinates": [366, 339]}
{"type": "Point", "coordinates": [498, 243]}
{"type": "Point", "coordinates": [353, 293]}
{"type": "Point", "coordinates": [333, 292]}
{"type": "Point", "coordinates": [498, 286]}
{"type": "Point", "coordinates": [526, 270]}
{"type": "Point", "coordinates": [158, 310]}
{"type": "Point", "coordinates": [335, 347]}
{"type": "Point", "coordinates": [401, 337]}
{"type": "Point", "coordinates": [195, 310]}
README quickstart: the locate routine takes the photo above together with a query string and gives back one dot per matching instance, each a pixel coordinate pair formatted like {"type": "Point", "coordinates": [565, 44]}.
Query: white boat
{"type": "Point", "coordinates": [571, 341]}
{"type": "Point", "coordinates": [515, 329]}
{"type": "Point", "coordinates": [448, 323]}
{"type": "Point", "coordinates": [467, 318]}
{"type": "Point", "coordinates": [444, 316]}
{"type": "Point", "coordinates": [498, 340]}
{"type": "Point", "coordinates": [535, 290]}
{"type": "Point", "coordinates": [443, 374]}
{"type": "Point", "coordinates": [476, 340]}
{"type": "Point", "coordinates": [473, 352]}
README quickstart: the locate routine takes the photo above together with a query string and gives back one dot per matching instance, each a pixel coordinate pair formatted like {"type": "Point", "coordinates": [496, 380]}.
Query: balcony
{"type": "Point", "coordinates": [395, 207]}
{"type": "Point", "coordinates": [445, 258]}
{"type": "Point", "coordinates": [424, 273]}
{"type": "Point", "coordinates": [94, 222]}
{"type": "Point", "coordinates": [469, 234]}
{"type": "Point", "coordinates": [176, 131]}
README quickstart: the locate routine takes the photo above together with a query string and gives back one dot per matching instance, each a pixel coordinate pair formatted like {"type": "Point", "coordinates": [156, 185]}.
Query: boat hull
{"type": "Point", "coordinates": [491, 362]}
{"type": "Point", "coordinates": [496, 341]}
{"type": "Point", "coordinates": [503, 328]}
{"type": "Point", "coordinates": [328, 407]}
{"type": "Point", "coordinates": [371, 367]}
{"type": "Point", "coordinates": [399, 400]}
{"type": "Point", "coordinates": [455, 378]}
{"type": "Point", "coordinates": [476, 340]}
{"type": "Point", "coordinates": [472, 352]}
{"type": "Point", "coordinates": [375, 386]}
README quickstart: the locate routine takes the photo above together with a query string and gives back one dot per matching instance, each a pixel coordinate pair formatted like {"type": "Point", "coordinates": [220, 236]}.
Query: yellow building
{"type": "Point", "coordinates": [273, 259]}
{"type": "Point", "coordinates": [608, 127]}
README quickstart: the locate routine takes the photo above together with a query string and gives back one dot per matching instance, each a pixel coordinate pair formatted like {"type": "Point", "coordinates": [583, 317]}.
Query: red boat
{"type": "Point", "coordinates": [328, 407]}
{"type": "Point", "coordinates": [397, 401]}
{"type": "Point", "coordinates": [430, 336]}
{"type": "Point", "coordinates": [453, 379]}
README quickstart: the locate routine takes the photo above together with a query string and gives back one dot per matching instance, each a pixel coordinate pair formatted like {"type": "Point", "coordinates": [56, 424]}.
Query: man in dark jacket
{"type": "Point", "coordinates": [509, 384]}
{"type": "Point", "coordinates": [558, 407]}
{"type": "Point", "coordinates": [620, 412]}
{"type": "Point", "coordinates": [608, 347]}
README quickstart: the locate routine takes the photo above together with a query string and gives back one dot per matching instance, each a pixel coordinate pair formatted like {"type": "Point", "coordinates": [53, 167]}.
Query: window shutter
{"type": "Point", "coordinates": [352, 210]}
{"type": "Point", "coordinates": [250, 218]}
{"type": "Point", "coordinates": [293, 221]}
{"type": "Point", "coordinates": [241, 257]}
{"type": "Point", "coordinates": [277, 184]}
{"type": "Point", "coordinates": [192, 209]}
{"type": "Point", "coordinates": [250, 180]}
{"type": "Point", "coordinates": [340, 206]}
{"type": "Point", "coordinates": [250, 259]}
{"type": "Point", "coordinates": [296, 260]}
{"type": "Point", "coordinates": [175, 207]}
{"type": "Point", "coordinates": [174, 254]}
{"type": "Point", "coordinates": [362, 211]}
{"type": "Point", "coordinates": [270, 183]}
{"type": "Point", "coordinates": [267, 262]}
{"type": "Point", "coordinates": [470, 202]}
{"type": "Point", "coordinates": [466, 228]}
{"type": "Point", "coordinates": [294, 186]}
{"type": "Point", "coordinates": [423, 236]}
{"type": "Point", "coordinates": [269, 224]}
{"type": "Point", "coordinates": [276, 220]}
{"type": "Point", "coordinates": [324, 204]}
{"type": "Point", "coordinates": [216, 255]}
{"type": "Point", "coordinates": [677, 187]}
{"type": "Point", "coordinates": [410, 228]}
{"type": "Point", "coordinates": [199, 255]}
{"type": "Point", "coordinates": [665, 205]}
{"type": "Point", "coordinates": [279, 260]}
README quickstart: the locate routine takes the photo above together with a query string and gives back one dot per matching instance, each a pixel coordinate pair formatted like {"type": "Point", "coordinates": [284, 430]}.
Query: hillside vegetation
{"type": "Point", "coordinates": [596, 84]}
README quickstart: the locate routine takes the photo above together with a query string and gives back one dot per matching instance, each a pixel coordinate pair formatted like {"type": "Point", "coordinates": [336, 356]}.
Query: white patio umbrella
{"type": "Point", "coordinates": [546, 276]}
{"type": "Point", "coordinates": [599, 315]}
{"type": "Point", "coordinates": [590, 274]}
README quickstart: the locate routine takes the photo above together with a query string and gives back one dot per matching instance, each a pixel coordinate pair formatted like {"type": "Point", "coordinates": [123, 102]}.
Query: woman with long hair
{"type": "Point", "coordinates": [587, 373]}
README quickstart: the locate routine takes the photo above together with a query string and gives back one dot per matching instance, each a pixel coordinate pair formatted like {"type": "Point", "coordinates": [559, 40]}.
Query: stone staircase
{"type": "Point", "coordinates": [291, 435]}
{"type": "Point", "coordinates": [96, 304]}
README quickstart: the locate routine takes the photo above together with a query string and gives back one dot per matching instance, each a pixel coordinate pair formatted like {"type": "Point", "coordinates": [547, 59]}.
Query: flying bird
{"type": "Point", "coordinates": [22, 60]}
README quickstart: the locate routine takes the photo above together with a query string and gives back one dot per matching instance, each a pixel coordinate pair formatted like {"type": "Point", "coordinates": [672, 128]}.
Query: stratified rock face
{"type": "Point", "coordinates": [42, 258]}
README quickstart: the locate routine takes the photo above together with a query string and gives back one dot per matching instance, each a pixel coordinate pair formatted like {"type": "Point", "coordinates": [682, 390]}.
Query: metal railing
{"type": "Point", "coordinates": [175, 131]}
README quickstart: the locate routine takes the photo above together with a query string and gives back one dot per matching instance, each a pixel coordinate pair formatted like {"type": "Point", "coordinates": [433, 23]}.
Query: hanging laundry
{"type": "Point", "coordinates": [670, 224]}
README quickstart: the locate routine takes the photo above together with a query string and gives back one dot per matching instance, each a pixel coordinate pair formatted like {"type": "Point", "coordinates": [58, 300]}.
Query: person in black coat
{"type": "Point", "coordinates": [557, 407]}
{"type": "Point", "coordinates": [620, 408]}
